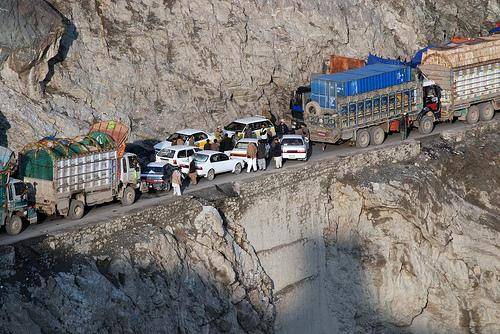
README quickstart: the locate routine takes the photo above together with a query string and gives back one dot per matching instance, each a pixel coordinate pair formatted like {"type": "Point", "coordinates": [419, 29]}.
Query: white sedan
{"type": "Point", "coordinates": [209, 163]}
{"type": "Point", "coordinates": [295, 147]}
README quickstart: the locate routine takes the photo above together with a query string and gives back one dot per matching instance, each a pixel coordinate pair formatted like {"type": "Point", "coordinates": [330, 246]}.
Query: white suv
{"type": "Point", "coordinates": [177, 155]}
{"type": "Point", "coordinates": [254, 123]}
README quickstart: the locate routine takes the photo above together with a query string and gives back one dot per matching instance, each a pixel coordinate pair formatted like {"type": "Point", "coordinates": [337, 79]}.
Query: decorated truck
{"type": "Point", "coordinates": [363, 104]}
{"type": "Point", "coordinates": [15, 209]}
{"type": "Point", "coordinates": [463, 80]}
{"type": "Point", "coordinates": [66, 175]}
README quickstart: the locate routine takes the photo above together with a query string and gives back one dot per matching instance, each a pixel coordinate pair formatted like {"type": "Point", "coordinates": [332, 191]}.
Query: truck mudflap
{"type": "Point", "coordinates": [31, 215]}
{"type": "Point", "coordinates": [324, 135]}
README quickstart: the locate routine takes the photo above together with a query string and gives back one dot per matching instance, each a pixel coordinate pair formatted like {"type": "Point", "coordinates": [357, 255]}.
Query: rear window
{"type": "Point", "coordinates": [292, 142]}
{"type": "Point", "coordinates": [235, 126]}
{"type": "Point", "coordinates": [175, 136]}
{"type": "Point", "coordinates": [242, 145]}
{"type": "Point", "coordinates": [199, 157]}
{"type": "Point", "coordinates": [166, 153]}
{"type": "Point", "coordinates": [151, 169]}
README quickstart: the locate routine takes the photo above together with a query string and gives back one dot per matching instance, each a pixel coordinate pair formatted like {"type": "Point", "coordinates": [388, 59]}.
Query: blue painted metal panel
{"type": "Point", "coordinates": [326, 88]}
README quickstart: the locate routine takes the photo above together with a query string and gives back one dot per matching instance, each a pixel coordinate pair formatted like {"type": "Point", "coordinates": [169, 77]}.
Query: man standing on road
{"type": "Point", "coordinates": [225, 143]}
{"type": "Point", "coordinates": [177, 182]}
{"type": "Point", "coordinates": [251, 157]}
{"type": "Point", "coordinates": [215, 145]}
{"type": "Point", "coordinates": [263, 132]}
{"type": "Point", "coordinates": [281, 129]}
{"type": "Point", "coordinates": [277, 153]}
{"type": "Point", "coordinates": [207, 145]}
{"type": "Point", "coordinates": [261, 155]}
{"type": "Point", "coordinates": [193, 176]}
{"type": "Point", "coordinates": [404, 126]}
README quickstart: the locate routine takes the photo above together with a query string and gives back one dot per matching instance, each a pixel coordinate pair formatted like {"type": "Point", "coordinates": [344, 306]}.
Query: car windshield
{"type": "Point", "coordinates": [199, 157]}
{"type": "Point", "coordinates": [166, 153]}
{"type": "Point", "coordinates": [242, 145]}
{"type": "Point", "coordinates": [292, 142]}
{"type": "Point", "coordinates": [176, 136]}
{"type": "Point", "coordinates": [235, 126]}
{"type": "Point", "coordinates": [153, 169]}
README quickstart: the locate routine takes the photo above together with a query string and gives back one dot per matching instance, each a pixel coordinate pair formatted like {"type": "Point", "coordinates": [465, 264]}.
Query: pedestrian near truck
{"type": "Point", "coordinates": [261, 155]}
{"type": "Point", "coordinates": [404, 126]}
{"type": "Point", "coordinates": [277, 153]}
{"type": "Point", "coordinates": [251, 157]}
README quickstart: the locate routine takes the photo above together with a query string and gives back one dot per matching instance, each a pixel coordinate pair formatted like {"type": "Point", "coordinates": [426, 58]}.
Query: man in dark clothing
{"type": "Point", "coordinates": [277, 153]}
{"type": "Point", "coordinates": [404, 126]}
{"type": "Point", "coordinates": [282, 129]}
{"type": "Point", "coordinates": [261, 155]}
{"type": "Point", "coordinates": [193, 176]}
{"type": "Point", "coordinates": [247, 133]}
{"type": "Point", "coordinates": [225, 143]}
{"type": "Point", "coordinates": [207, 145]}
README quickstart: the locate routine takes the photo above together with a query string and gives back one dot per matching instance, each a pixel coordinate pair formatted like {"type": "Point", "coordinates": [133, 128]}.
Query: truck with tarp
{"type": "Point", "coordinates": [66, 175]}
{"type": "Point", "coordinates": [363, 104]}
{"type": "Point", "coordinates": [462, 78]}
{"type": "Point", "coordinates": [15, 209]}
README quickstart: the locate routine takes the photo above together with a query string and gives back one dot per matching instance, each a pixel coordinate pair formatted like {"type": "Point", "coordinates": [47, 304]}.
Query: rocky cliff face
{"type": "Point", "coordinates": [161, 65]}
{"type": "Point", "coordinates": [402, 239]}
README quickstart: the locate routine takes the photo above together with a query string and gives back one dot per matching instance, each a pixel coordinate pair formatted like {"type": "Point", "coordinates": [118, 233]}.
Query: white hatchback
{"type": "Point", "coordinates": [239, 152]}
{"type": "Point", "coordinates": [295, 147]}
{"type": "Point", "coordinates": [177, 155]}
{"type": "Point", "coordinates": [210, 163]}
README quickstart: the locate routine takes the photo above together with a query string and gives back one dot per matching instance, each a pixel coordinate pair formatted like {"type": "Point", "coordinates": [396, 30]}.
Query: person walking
{"type": "Point", "coordinates": [207, 145]}
{"type": "Point", "coordinates": [261, 155]}
{"type": "Point", "coordinates": [177, 182]}
{"type": "Point", "coordinates": [215, 146]}
{"type": "Point", "coordinates": [277, 153]}
{"type": "Point", "coordinates": [193, 176]}
{"type": "Point", "coordinates": [282, 129]}
{"type": "Point", "coordinates": [251, 157]}
{"type": "Point", "coordinates": [263, 132]}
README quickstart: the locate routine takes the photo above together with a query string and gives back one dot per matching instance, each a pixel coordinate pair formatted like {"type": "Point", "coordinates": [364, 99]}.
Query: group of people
{"type": "Point", "coordinates": [257, 155]}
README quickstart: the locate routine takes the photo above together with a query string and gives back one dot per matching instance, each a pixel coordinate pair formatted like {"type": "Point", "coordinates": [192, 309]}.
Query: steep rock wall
{"type": "Point", "coordinates": [161, 65]}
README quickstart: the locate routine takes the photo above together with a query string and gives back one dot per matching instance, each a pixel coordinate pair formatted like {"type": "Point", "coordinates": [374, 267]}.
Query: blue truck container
{"type": "Point", "coordinates": [327, 88]}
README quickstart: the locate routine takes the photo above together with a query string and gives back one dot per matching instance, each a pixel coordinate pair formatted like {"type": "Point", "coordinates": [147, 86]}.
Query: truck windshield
{"type": "Point", "coordinates": [235, 126]}
{"type": "Point", "coordinates": [19, 188]}
{"type": "Point", "coordinates": [166, 153]}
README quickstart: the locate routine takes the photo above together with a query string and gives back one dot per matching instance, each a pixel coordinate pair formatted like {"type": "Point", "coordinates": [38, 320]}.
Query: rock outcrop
{"type": "Point", "coordinates": [161, 65]}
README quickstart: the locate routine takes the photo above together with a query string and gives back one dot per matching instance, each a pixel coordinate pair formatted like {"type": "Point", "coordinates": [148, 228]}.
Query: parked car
{"type": "Point", "coordinates": [210, 163]}
{"type": "Point", "coordinates": [157, 175]}
{"type": "Point", "coordinates": [239, 152]}
{"type": "Point", "coordinates": [237, 128]}
{"type": "Point", "coordinates": [295, 147]}
{"type": "Point", "coordinates": [200, 138]}
{"type": "Point", "coordinates": [177, 155]}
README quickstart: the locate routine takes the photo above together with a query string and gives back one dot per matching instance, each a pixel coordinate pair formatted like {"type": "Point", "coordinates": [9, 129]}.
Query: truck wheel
{"type": "Point", "coordinates": [211, 175]}
{"type": "Point", "coordinates": [486, 111]}
{"type": "Point", "coordinates": [14, 225]}
{"type": "Point", "coordinates": [378, 135]}
{"type": "Point", "coordinates": [472, 115]}
{"type": "Point", "coordinates": [76, 209]}
{"type": "Point", "coordinates": [312, 109]}
{"type": "Point", "coordinates": [425, 125]}
{"type": "Point", "coordinates": [237, 169]}
{"type": "Point", "coordinates": [128, 197]}
{"type": "Point", "coordinates": [362, 138]}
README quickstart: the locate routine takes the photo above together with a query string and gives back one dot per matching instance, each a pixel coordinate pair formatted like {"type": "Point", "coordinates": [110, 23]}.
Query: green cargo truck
{"type": "Point", "coordinates": [13, 197]}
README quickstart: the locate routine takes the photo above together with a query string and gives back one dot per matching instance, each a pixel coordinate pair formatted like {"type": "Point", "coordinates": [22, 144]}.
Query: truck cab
{"type": "Point", "coordinates": [298, 102]}
{"type": "Point", "coordinates": [15, 208]}
{"type": "Point", "coordinates": [130, 170]}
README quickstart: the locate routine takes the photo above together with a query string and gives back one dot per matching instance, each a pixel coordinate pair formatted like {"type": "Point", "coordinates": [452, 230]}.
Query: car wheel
{"type": "Point", "coordinates": [211, 175]}
{"type": "Point", "coordinates": [237, 168]}
{"type": "Point", "coordinates": [14, 225]}
{"type": "Point", "coordinates": [472, 115]}
{"type": "Point", "coordinates": [167, 187]}
{"type": "Point", "coordinates": [378, 135]}
{"type": "Point", "coordinates": [128, 197]}
{"type": "Point", "coordinates": [425, 125]}
{"type": "Point", "coordinates": [76, 209]}
{"type": "Point", "coordinates": [363, 138]}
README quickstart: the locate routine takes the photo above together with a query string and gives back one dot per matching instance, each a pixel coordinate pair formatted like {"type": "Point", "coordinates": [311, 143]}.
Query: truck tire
{"type": "Point", "coordinates": [377, 135]}
{"type": "Point", "coordinates": [128, 197]}
{"type": "Point", "coordinates": [486, 111]}
{"type": "Point", "coordinates": [76, 209]}
{"type": "Point", "coordinates": [312, 109]}
{"type": "Point", "coordinates": [362, 138]}
{"type": "Point", "coordinates": [425, 125]}
{"type": "Point", "coordinates": [14, 225]}
{"type": "Point", "coordinates": [472, 115]}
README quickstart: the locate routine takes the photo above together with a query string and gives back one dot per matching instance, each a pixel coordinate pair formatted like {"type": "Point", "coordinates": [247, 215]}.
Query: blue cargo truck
{"type": "Point", "coordinates": [363, 104]}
